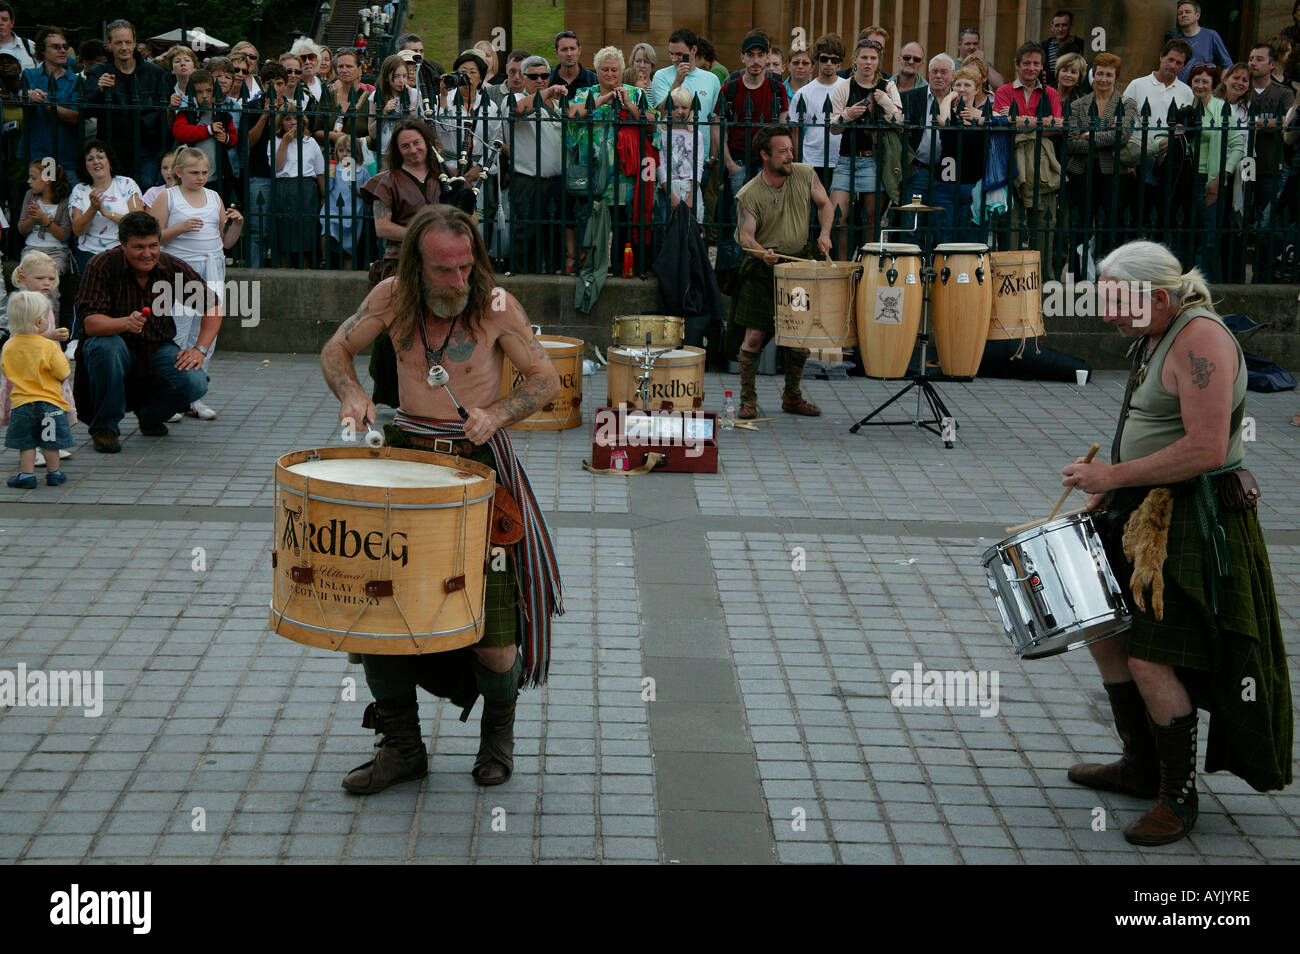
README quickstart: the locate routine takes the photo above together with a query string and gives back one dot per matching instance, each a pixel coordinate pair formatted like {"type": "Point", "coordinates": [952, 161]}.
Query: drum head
{"type": "Point", "coordinates": [636, 353]}
{"type": "Point", "coordinates": [897, 249]}
{"type": "Point", "coordinates": [959, 247]}
{"type": "Point", "coordinates": [383, 473]}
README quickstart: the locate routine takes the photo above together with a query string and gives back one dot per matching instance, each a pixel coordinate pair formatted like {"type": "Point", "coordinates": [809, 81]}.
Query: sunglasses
{"type": "Point", "coordinates": [830, 59]}
{"type": "Point", "coordinates": [911, 59]}
{"type": "Point", "coordinates": [240, 72]}
{"type": "Point", "coordinates": [294, 72]}
{"type": "Point", "coordinates": [538, 76]}
{"type": "Point", "coordinates": [57, 46]}
{"type": "Point", "coordinates": [309, 57]}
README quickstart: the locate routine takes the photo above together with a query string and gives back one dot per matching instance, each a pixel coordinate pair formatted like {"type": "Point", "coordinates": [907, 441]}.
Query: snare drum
{"type": "Point", "coordinates": [666, 331]}
{"type": "Point", "coordinates": [814, 304]}
{"type": "Point", "coordinates": [380, 550]}
{"type": "Point", "coordinates": [566, 410]}
{"type": "Point", "coordinates": [676, 380]}
{"type": "Point", "coordinates": [1054, 587]}
{"type": "Point", "coordinates": [961, 302]}
{"type": "Point", "coordinates": [889, 301]}
{"type": "Point", "coordinates": [1017, 296]}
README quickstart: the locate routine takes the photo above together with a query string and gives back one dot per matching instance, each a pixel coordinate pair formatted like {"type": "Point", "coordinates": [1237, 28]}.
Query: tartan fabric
{"type": "Point", "coordinates": [754, 304]}
{"type": "Point", "coordinates": [1215, 653]}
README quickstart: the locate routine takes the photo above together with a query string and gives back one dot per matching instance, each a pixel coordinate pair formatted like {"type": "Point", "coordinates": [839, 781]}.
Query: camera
{"type": "Point", "coordinates": [452, 80]}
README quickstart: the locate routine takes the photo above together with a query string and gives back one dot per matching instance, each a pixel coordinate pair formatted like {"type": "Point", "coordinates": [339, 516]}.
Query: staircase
{"type": "Point", "coordinates": [342, 28]}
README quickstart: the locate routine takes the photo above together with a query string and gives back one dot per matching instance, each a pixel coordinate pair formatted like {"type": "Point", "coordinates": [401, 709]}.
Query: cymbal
{"type": "Point", "coordinates": [916, 206]}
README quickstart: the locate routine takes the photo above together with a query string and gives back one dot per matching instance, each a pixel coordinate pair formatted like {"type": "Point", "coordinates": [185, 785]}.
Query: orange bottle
{"type": "Point", "coordinates": [627, 261]}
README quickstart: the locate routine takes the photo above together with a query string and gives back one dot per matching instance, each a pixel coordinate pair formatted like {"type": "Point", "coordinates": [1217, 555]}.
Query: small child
{"type": "Point", "coordinates": [685, 151]}
{"type": "Point", "coordinates": [169, 180]}
{"type": "Point", "coordinates": [346, 212]}
{"type": "Point", "coordinates": [45, 219]}
{"type": "Point", "coordinates": [38, 368]}
{"type": "Point", "coordinates": [37, 272]}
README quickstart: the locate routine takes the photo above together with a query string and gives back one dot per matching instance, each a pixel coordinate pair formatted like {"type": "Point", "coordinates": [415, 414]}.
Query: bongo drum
{"type": "Point", "coordinates": [666, 331]}
{"type": "Point", "coordinates": [1017, 296]}
{"type": "Point", "coordinates": [814, 304]}
{"type": "Point", "coordinates": [889, 300]}
{"type": "Point", "coordinates": [676, 380]}
{"type": "Point", "coordinates": [380, 550]}
{"type": "Point", "coordinates": [566, 410]}
{"type": "Point", "coordinates": [961, 303]}
{"type": "Point", "coordinates": [1055, 588]}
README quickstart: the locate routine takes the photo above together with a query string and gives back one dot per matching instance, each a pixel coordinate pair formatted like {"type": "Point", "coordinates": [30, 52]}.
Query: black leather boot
{"type": "Point", "coordinates": [1138, 771]}
{"type": "Point", "coordinates": [496, 750]}
{"type": "Point", "coordinates": [400, 755]}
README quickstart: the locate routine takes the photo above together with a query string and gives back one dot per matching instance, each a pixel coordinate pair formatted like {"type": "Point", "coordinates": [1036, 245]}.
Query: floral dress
{"type": "Point", "coordinates": [600, 130]}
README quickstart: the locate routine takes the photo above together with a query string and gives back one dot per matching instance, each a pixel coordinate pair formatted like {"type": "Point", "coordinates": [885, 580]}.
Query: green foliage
{"type": "Point", "coordinates": [535, 24]}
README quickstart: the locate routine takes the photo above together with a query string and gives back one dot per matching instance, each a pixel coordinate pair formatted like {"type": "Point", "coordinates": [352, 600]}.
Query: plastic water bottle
{"type": "Point", "coordinates": [727, 421]}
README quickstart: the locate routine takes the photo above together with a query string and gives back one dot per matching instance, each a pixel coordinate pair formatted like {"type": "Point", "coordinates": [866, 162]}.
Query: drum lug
{"type": "Point", "coordinates": [892, 276]}
{"type": "Point", "coordinates": [665, 405]}
{"type": "Point", "coordinates": [548, 407]}
{"type": "Point", "coordinates": [313, 456]}
{"type": "Point", "coordinates": [577, 400]}
{"type": "Point", "coordinates": [453, 584]}
{"type": "Point", "coordinates": [379, 588]}
{"type": "Point", "coordinates": [944, 275]}
{"type": "Point", "coordinates": [979, 275]}
{"type": "Point", "coordinates": [301, 574]}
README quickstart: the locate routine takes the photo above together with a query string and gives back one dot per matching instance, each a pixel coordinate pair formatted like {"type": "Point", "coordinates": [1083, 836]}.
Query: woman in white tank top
{"type": "Point", "coordinates": [194, 220]}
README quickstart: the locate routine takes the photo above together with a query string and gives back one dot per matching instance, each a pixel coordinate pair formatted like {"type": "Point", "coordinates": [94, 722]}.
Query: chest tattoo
{"type": "Point", "coordinates": [461, 346]}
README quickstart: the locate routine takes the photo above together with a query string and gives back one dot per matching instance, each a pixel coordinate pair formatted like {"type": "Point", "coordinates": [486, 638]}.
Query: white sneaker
{"type": "Point", "coordinates": [175, 419]}
{"type": "Point", "coordinates": [202, 411]}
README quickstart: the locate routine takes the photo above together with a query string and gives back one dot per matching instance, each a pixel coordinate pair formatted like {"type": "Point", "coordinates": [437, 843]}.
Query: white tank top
{"type": "Point", "coordinates": [194, 247]}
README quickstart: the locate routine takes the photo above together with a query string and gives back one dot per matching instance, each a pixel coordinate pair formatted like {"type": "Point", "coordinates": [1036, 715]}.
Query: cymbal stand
{"type": "Point", "coordinates": [941, 422]}
{"type": "Point", "coordinates": [645, 363]}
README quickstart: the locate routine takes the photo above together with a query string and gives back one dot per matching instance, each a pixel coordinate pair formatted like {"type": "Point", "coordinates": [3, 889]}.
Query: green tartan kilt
{"type": "Point", "coordinates": [1220, 657]}
{"type": "Point", "coordinates": [500, 602]}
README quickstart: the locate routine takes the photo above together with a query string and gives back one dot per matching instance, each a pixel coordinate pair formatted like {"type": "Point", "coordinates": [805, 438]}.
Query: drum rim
{"type": "Point", "coordinates": [297, 483]}
{"type": "Point", "coordinates": [1029, 533]}
{"type": "Point", "coordinates": [898, 249]}
{"type": "Point", "coordinates": [959, 247]}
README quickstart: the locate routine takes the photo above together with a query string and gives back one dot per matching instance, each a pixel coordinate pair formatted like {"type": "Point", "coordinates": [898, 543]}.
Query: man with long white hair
{"type": "Point", "coordinates": [1208, 636]}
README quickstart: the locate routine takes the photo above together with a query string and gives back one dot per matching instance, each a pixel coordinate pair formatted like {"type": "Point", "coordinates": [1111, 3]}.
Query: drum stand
{"type": "Point", "coordinates": [646, 365]}
{"type": "Point", "coordinates": [942, 421]}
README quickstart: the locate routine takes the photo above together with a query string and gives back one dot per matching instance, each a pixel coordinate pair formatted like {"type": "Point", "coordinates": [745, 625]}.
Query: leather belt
{"type": "Point", "coordinates": [445, 445]}
{"type": "Point", "coordinates": [864, 153]}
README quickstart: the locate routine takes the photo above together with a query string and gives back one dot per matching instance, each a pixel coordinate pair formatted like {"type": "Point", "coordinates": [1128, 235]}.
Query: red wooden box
{"type": "Point", "coordinates": [621, 441]}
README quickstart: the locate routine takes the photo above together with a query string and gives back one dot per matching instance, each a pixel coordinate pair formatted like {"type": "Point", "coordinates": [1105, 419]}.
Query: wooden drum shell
{"type": "Point", "coordinates": [425, 547]}
{"type": "Point", "coordinates": [962, 307]}
{"type": "Point", "coordinates": [889, 316]}
{"type": "Point", "coordinates": [566, 410]}
{"type": "Point", "coordinates": [814, 304]}
{"type": "Point", "coordinates": [666, 331]}
{"type": "Point", "coordinates": [676, 381]}
{"type": "Point", "coordinates": [1017, 296]}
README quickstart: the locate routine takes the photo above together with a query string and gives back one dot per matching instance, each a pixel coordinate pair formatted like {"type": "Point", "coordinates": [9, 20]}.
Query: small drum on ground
{"type": "Point", "coordinates": [1054, 587]}
{"type": "Point", "coordinates": [380, 550]}
{"type": "Point", "coordinates": [676, 379]}
{"type": "Point", "coordinates": [814, 304]}
{"type": "Point", "coordinates": [889, 300]}
{"type": "Point", "coordinates": [961, 305]}
{"type": "Point", "coordinates": [666, 331]}
{"type": "Point", "coordinates": [566, 410]}
{"type": "Point", "coordinates": [1017, 296]}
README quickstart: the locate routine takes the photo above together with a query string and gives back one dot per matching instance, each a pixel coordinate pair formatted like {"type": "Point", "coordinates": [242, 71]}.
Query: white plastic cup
{"type": "Point", "coordinates": [1081, 377]}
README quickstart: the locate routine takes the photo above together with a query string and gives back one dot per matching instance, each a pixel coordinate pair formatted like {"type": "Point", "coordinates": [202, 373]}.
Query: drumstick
{"type": "Point", "coordinates": [438, 378]}
{"type": "Point", "coordinates": [760, 252]}
{"type": "Point", "coordinates": [373, 437]}
{"type": "Point", "coordinates": [1092, 452]}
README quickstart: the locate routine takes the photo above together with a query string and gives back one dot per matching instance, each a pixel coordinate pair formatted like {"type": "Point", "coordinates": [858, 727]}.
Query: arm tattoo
{"type": "Point", "coordinates": [382, 211]}
{"type": "Point", "coordinates": [1202, 368]}
{"type": "Point", "coordinates": [526, 399]}
{"type": "Point", "coordinates": [351, 323]}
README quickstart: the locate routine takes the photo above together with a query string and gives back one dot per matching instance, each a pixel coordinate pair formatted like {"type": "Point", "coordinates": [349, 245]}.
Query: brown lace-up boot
{"type": "Point", "coordinates": [748, 361]}
{"type": "Point", "coordinates": [496, 750]}
{"type": "Point", "coordinates": [1138, 771]}
{"type": "Point", "coordinates": [792, 401]}
{"type": "Point", "coordinates": [400, 755]}
{"type": "Point", "coordinates": [1173, 815]}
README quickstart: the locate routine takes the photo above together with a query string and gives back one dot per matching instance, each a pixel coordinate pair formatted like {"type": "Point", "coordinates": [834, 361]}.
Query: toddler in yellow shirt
{"type": "Point", "coordinates": [37, 368]}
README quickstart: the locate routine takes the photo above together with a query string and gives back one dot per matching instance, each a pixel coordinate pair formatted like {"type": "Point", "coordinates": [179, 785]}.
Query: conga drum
{"type": "Point", "coordinates": [380, 550]}
{"type": "Point", "coordinates": [666, 331]}
{"type": "Point", "coordinates": [889, 301]}
{"type": "Point", "coordinates": [566, 410]}
{"type": "Point", "coordinates": [1017, 296]}
{"type": "Point", "coordinates": [961, 303]}
{"type": "Point", "coordinates": [676, 380]}
{"type": "Point", "coordinates": [814, 304]}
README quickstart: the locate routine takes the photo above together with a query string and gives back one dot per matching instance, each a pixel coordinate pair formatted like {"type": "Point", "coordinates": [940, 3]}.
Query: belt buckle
{"type": "Point", "coordinates": [444, 445]}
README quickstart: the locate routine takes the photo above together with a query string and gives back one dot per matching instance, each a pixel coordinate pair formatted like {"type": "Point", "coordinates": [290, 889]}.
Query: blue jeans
{"type": "Point", "coordinates": [147, 173]}
{"type": "Point", "coordinates": [108, 362]}
{"type": "Point", "coordinates": [258, 220]}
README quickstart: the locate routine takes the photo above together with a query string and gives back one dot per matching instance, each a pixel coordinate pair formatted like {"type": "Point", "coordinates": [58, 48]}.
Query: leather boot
{"type": "Point", "coordinates": [748, 361]}
{"type": "Point", "coordinates": [1173, 815]}
{"type": "Point", "coordinates": [792, 400]}
{"type": "Point", "coordinates": [496, 749]}
{"type": "Point", "coordinates": [1138, 771]}
{"type": "Point", "coordinates": [400, 755]}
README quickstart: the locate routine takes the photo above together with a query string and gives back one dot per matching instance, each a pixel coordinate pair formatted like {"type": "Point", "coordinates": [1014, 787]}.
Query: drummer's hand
{"type": "Point", "coordinates": [770, 257]}
{"type": "Point", "coordinates": [824, 244]}
{"type": "Point", "coordinates": [481, 425]}
{"type": "Point", "coordinates": [1095, 501]}
{"type": "Point", "coordinates": [355, 412]}
{"type": "Point", "coordinates": [1093, 478]}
